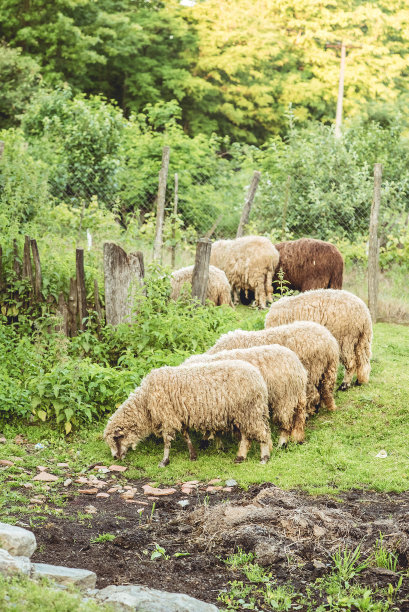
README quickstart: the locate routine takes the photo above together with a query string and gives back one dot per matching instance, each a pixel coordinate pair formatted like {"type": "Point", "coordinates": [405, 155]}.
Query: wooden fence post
{"type": "Point", "coordinates": [175, 212]}
{"type": "Point", "coordinates": [81, 292]}
{"type": "Point", "coordinates": [248, 204]}
{"type": "Point", "coordinates": [123, 275]}
{"type": "Point", "coordinates": [373, 251]}
{"type": "Point", "coordinates": [97, 303]}
{"type": "Point", "coordinates": [27, 269]}
{"type": "Point", "coordinates": [72, 308]}
{"type": "Point", "coordinates": [160, 210]}
{"type": "Point", "coordinates": [38, 278]}
{"type": "Point", "coordinates": [200, 275]}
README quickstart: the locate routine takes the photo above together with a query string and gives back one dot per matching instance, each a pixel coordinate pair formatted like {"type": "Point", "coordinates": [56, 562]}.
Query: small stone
{"type": "Point", "coordinates": [113, 489]}
{"type": "Point", "coordinates": [190, 483]}
{"type": "Point", "coordinates": [6, 462]}
{"type": "Point", "coordinates": [227, 489]}
{"type": "Point", "coordinates": [134, 597]}
{"type": "Point", "coordinates": [63, 465]}
{"type": "Point", "coordinates": [187, 490]}
{"type": "Point", "coordinates": [45, 477]}
{"type": "Point", "coordinates": [183, 503]}
{"type": "Point", "coordinates": [82, 480]}
{"type": "Point", "coordinates": [41, 468]}
{"type": "Point", "coordinates": [213, 489]}
{"type": "Point", "coordinates": [132, 501]}
{"type": "Point", "coordinates": [318, 531]}
{"type": "Point", "coordinates": [231, 482]}
{"type": "Point", "coordinates": [88, 491]}
{"type": "Point", "coordinates": [318, 564]}
{"type": "Point", "coordinates": [90, 509]}
{"type": "Point", "coordinates": [103, 495]}
{"type": "Point", "coordinates": [13, 565]}
{"type": "Point", "coordinates": [99, 467]}
{"type": "Point", "coordinates": [103, 470]}
{"type": "Point", "coordinates": [19, 439]}
{"type": "Point", "coordinates": [67, 482]}
{"type": "Point", "coordinates": [82, 579]}
{"type": "Point", "coordinates": [128, 495]}
{"type": "Point", "coordinates": [148, 490]}
{"type": "Point", "coordinates": [214, 481]}
{"type": "Point", "coordinates": [27, 485]}
{"type": "Point", "coordinates": [17, 541]}
{"type": "Point", "coordinates": [3, 440]}
{"type": "Point", "coordinates": [117, 468]}
{"type": "Point", "coordinates": [129, 487]}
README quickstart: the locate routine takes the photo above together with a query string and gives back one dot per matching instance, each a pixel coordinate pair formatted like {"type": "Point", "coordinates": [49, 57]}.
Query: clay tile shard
{"type": "Point", "coordinates": [103, 495]}
{"type": "Point", "coordinates": [88, 491]}
{"type": "Point", "coordinates": [148, 490]}
{"type": "Point", "coordinates": [45, 477]}
{"type": "Point", "coordinates": [117, 468]}
{"type": "Point", "coordinates": [190, 483]}
{"type": "Point", "coordinates": [214, 481]}
{"type": "Point", "coordinates": [41, 468]}
{"type": "Point", "coordinates": [6, 462]}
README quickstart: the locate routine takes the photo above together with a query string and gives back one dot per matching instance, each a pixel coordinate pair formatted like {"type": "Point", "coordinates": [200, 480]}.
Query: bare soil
{"type": "Point", "coordinates": [293, 534]}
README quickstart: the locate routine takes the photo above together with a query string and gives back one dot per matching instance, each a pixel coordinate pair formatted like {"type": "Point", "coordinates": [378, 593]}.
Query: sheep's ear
{"type": "Point", "coordinates": [119, 432]}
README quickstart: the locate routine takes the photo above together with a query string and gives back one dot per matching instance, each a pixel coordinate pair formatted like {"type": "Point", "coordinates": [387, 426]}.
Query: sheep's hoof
{"type": "Point", "coordinates": [164, 463]}
{"type": "Point", "coordinates": [343, 386]}
{"type": "Point", "coordinates": [265, 459]}
{"type": "Point", "coordinates": [357, 383]}
{"type": "Point", "coordinates": [193, 458]}
{"type": "Point", "coordinates": [239, 459]}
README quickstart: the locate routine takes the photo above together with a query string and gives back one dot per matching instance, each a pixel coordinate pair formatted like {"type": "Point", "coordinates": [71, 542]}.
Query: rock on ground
{"type": "Point", "coordinates": [17, 541]}
{"type": "Point", "coordinates": [13, 565]}
{"type": "Point", "coordinates": [82, 579]}
{"type": "Point", "coordinates": [141, 599]}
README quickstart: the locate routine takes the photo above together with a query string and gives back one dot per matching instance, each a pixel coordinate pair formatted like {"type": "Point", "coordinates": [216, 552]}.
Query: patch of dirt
{"type": "Point", "coordinates": [293, 535]}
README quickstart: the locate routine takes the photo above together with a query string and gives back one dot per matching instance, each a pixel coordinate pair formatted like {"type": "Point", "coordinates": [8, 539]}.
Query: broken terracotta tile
{"type": "Point", "coordinates": [191, 483]}
{"type": "Point", "coordinates": [187, 490]}
{"type": "Point", "coordinates": [82, 480]}
{"type": "Point", "coordinates": [148, 490]}
{"type": "Point", "coordinates": [214, 481]}
{"type": "Point", "coordinates": [117, 468]}
{"type": "Point", "coordinates": [3, 440]}
{"type": "Point", "coordinates": [113, 489]}
{"type": "Point", "coordinates": [227, 489]}
{"type": "Point", "coordinates": [41, 468]}
{"type": "Point", "coordinates": [128, 495]}
{"type": "Point", "coordinates": [88, 491]}
{"type": "Point", "coordinates": [6, 462]}
{"type": "Point", "coordinates": [45, 477]}
{"type": "Point", "coordinates": [103, 495]}
{"type": "Point", "coordinates": [210, 489]}
{"type": "Point", "coordinates": [90, 509]}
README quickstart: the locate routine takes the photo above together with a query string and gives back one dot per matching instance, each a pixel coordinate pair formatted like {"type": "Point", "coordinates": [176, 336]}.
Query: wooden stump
{"type": "Point", "coordinates": [123, 276]}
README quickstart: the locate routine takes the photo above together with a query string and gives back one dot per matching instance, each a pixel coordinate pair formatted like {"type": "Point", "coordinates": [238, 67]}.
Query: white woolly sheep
{"type": "Point", "coordinates": [314, 345]}
{"type": "Point", "coordinates": [345, 315]}
{"type": "Point", "coordinates": [286, 381]}
{"type": "Point", "coordinates": [218, 287]}
{"type": "Point", "coordinates": [249, 263]}
{"type": "Point", "coordinates": [206, 397]}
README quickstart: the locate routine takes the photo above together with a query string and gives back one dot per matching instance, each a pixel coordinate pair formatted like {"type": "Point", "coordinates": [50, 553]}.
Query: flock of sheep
{"type": "Point", "coordinates": [285, 371]}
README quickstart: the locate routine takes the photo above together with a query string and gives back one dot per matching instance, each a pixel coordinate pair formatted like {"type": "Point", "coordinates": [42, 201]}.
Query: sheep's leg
{"type": "Point", "coordinates": [266, 447]}
{"type": "Point", "coordinates": [243, 449]}
{"type": "Point", "coordinates": [167, 440]}
{"type": "Point", "coordinates": [362, 356]}
{"type": "Point", "coordinates": [328, 386]}
{"type": "Point", "coordinates": [192, 452]}
{"type": "Point", "coordinates": [349, 363]}
{"type": "Point", "coordinates": [298, 430]}
{"type": "Point", "coordinates": [269, 286]}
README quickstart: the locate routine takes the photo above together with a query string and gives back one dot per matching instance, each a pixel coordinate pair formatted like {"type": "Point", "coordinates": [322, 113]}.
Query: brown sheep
{"type": "Point", "coordinates": [310, 264]}
{"type": "Point", "coordinates": [345, 315]}
{"type": "Point", "coordinates": [249, 263]}
{"type": "Point", "coordinates": [286, 381]}
{"type": "Point", "coordinates": [207, 397]}
{"type": "Point", "coordinates": [313, 344]}
{"type": "Point", "coordinates": [218, 287]}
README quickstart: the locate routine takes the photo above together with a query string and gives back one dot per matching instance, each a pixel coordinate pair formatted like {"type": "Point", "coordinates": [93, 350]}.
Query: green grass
{"type": "Point", "coordinates": [339, 452]}
{"type": "Point", "coordinates": [24, 595]}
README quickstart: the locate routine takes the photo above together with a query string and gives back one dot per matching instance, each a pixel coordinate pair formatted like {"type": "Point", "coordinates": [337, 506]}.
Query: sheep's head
{"type": "Point", "coordinates": [126, 428]}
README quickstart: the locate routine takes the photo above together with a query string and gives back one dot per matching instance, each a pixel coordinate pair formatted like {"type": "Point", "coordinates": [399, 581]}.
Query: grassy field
{"type": "Point", "coordinates": [339, 452]}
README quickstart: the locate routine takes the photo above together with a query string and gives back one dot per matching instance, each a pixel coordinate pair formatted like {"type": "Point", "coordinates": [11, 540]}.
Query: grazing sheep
{"type": "Point", "coordinates": [218, 287]}
{"type": "Point", "coordinates": [310, 264]}
{"type": "Point", "coordinates": [313, 344]}
{"type": "Point", "coordinates": [345, 315]}
{"type": "Point", "coordinates": [249, 263]}
{"type": "Point", "coordinates": [286, 381]}
{"type": "Point", "coordinates": [206, 397]}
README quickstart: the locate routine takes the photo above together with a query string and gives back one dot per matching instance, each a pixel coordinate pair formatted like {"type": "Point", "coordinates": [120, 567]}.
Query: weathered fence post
{"type": "Point", "coordinates": [123, 275]}
{"type": "Point", "coordinates": [373, 251]}
{"type": "Point", "coordinates": [160, 210]}
{"type": "Point", "coordinates": [38, 278]}
{"type": "Point", "coordinates": [248, 203]}
{"type": "Point", "coordinates": [1, 148]}
{"type": "Point", "coordinates": [97, 303]}
{"type": "Point", "coordinates": [81, 292]}
{"type": "Point", "coordinates": [72, 308]}
{"type": "Point", "coordinates": [27, 269]}
{"type": "Point", "coordinates": [285, 206]}
{"type": "Point", "coordinates": [200, 275]}
{"type": "Point", "coordinates": [175, 212]}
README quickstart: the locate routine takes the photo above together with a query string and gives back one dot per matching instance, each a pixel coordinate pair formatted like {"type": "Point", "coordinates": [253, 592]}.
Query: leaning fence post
{"type": "Point", "coordinates": [373, 251]}
{"type": "Point", "coordinates": [160, 210]}
{"type": "Point", "coordinates": [200, 275]}
{"type": "Point", "coordinates": [81, 292]}
{"type": "Point", "coordinates": [175, 212]}
{"type": "Point", "coordinates": [248, 203]}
